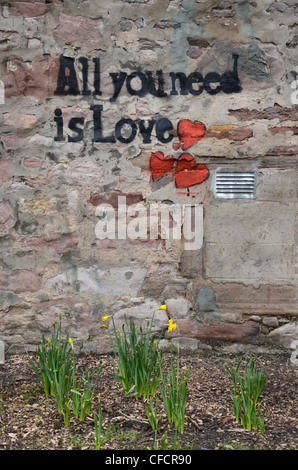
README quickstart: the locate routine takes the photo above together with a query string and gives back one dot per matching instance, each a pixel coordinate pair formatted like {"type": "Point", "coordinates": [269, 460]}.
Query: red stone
{"type": "Point", "coordinates": [190, 132]}
{"type": "Point", "coordinates": [284, 130]}
{"type": "Point", "coordinates": [31, 162]}
{"type": "Point", "coordinates": [240, 134]}
{"type": "Point", "coordinates": [5, 170]}
{"type": "Point", "coordinates": [77, 29]}
{"type": "Point", "coordinates": [29, 10]}
{"type": "Point", "coordinates": [53, 242]}
{"type": "Point", "coordinates": [112, 198]}
{"type": "Point", "coordinates": [19, 281]}
{"type": "Point", "coordinates": [38, 80]}
{"type": "Point", "coordinates": [236, 332]}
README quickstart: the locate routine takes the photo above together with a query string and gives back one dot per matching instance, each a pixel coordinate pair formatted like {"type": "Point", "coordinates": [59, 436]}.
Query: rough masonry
{"type": "Point", "coordinates": [117, 119]}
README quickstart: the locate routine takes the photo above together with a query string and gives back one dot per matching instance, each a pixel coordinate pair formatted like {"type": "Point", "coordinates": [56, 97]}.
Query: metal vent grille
{"type": "Point", "coordinates": [236, 184]}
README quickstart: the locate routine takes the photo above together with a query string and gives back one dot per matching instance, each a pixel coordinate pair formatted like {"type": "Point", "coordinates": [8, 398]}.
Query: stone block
{"type": "Point", "coordinates": [21, 120]}
{"type": "Point", "coordinates": [235, 332]}
{"type": "Point", "coordinates": [114, 281]}
{"type": "Point", "coordinates": [7, 219]}
{"type": "Point", "coordinates": [250, 241]}
{"type": "Point", "coordinates": [142, 316]}
{"type": "Point", "coordinates": [77, 30]}
{"type": "Point", "coordinates": [271, 322]}
{"type": "Point", "coordinates": [177, 308]}
{"type": "Point", "coordinates": [285, 335]}
{"type": "Point", "coordinates": [38, 79]}
{"type": "Point", "coordinates": [5, 170]}
{"type": "Point", "coordinates": [19, 281]}
{"type": "Point", "coordinates": [29, 9]}
{"type": "Point", "coordinates": [185, 344]}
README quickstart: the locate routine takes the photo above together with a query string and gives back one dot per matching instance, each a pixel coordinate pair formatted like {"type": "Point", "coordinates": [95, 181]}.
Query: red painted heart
{"type": "Point", "coordinates": [190, 132]}
{"type": "Point", "coordinates": [188, 173]}
{"type": "Point", "coordinates": [161, 165]}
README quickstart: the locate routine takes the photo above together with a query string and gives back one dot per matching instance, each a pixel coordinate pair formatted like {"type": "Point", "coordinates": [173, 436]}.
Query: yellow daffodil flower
{"type": "Point", "coordinates": [70, 342]}
{"type": "Point", "coordinates": [162, 307]}
{"type": "Point", "coordinates": [104, 326]}
{"type": "Point", "coordinates": [105, 318]}
{"type": "Point", "coordinates": [172, 326]}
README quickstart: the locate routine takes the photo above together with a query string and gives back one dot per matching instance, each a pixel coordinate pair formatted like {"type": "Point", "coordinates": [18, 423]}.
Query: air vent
{"type": "Point", "coordinates": [236, 184]}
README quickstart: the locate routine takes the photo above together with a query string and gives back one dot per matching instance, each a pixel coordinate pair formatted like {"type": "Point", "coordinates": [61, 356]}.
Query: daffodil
{"type": "Point", "coordinates": [104, 326]}
{"type": "Point", "coordinates": [53, 323]}
{"type": "Point", "coordinates": [49, 341]}
{"type": "Point", "coordinates": [70, 342]}
{"type": "Point", "coordinates": [172, 326]}
{"type": "Point", "coordinates": [162, 307]}
{"type": "Point", "coordinates": [105, 318]}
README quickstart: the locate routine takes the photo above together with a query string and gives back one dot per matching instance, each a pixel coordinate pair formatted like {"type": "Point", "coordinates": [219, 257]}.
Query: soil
{"type": "Point", "coordinates": [30, 421]}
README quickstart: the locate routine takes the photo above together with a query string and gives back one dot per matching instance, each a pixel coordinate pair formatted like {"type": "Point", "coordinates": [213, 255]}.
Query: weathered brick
{"type": "Point", "coordinates": [273, 112]}
{"type": "Point", "coordinates": [291, 130]}
{"type": "Point", "coordinates": [229, 132]}
{"type": "Point", "coordinates": [283, 150]}
{"type": "Point", "coordinates": [112, 198]}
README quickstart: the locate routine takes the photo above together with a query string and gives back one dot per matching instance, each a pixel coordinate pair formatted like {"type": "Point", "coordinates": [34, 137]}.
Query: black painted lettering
{"type": "Point", "coordinates": [78, 130]}
{"type": "Point", "coordinates": [96, 61]}
{"type": "Point", "coordinates": [67, 83]}
{"type": "Point", "coordinates": [98, 136]}
{"type": "Point", "coordinates": [197, 79]}
{"type": "Point", "coordinates": [164, 126]}
{"type": "Point", "coordinates": [118, 81]}
{"type": "Point", "coordinates": [230, 81]}
{"type": "Point", "coordinates": [215, 78]}
{"type": "Point", "coordinates": [59, 121]}
{"type": "Point", "coordinates": [159, 92]}
{"type": "Point", "coordinates": [118, 130]}
{"type": "Point", "coordinates": [143, 80]}
{"type": "Point", "coordinates": [183, 83]}
{"type": "Point", "coordinates": [146, 131]}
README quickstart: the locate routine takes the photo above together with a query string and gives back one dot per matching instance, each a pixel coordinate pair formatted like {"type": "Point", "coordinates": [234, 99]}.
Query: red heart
{"type": "Point", "coordinates": [188, 173]}
{"type": "Point", "coordinates": [190, 132]}
{"type": "Point", "coordinates": [161, 165]}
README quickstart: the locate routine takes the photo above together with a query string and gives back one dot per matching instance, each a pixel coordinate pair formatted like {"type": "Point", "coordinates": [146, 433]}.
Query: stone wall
{"type": "Point", "coordinates": [138, 105]}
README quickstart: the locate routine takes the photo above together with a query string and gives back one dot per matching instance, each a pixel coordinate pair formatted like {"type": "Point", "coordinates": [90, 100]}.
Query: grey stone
{"type": "Point", "coordinates": [285, 335]}
{"type": "Point", "coordinates": [177, 308]}
{"type": "Point", "coordinates": [142, 316]}
{"type": "Point", "coordinates": [271, 321]}
{"type": "Point", "coordinates": [185, 344]}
